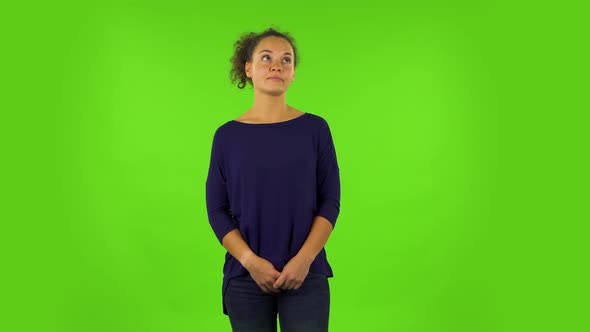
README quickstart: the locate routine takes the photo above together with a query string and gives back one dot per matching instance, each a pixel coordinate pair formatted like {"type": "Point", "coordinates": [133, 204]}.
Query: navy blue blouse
{"type": "Point", "coordinates": [270, 180]}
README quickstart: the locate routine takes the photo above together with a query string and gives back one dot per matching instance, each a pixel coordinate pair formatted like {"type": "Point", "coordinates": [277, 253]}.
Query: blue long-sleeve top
{"type": "Point", "coordinates": [270, 180]}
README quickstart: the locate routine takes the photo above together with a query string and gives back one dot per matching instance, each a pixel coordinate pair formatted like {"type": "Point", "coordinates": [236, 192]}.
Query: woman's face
{"type": "Point", "coordinates": [271, 68]}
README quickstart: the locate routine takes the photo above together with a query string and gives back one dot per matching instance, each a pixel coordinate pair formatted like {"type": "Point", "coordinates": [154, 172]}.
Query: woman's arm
{"type": "Point", "coordinates": [297, 268]}
{"type": "Point", "coordinates": [234, 243]}
{"type": "Point", "coordinates": [261, 270]}
{"type": "Point", "coordinates": [316, 240]}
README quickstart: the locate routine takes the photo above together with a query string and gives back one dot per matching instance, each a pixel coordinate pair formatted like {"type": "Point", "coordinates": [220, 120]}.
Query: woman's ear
{"type": "Point", "coordinates": [247, 68]}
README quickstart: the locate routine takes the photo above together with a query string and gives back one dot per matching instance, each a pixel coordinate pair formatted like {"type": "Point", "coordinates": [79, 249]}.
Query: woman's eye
{"type": "Point", "coordinates": [287, 60]}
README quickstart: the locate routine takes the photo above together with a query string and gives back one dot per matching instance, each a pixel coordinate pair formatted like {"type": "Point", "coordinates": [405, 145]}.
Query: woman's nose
{"type": "Point", "coordinates": [276, 66]}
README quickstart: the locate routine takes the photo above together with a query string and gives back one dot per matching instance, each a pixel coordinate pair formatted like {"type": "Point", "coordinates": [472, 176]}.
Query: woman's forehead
{"type": "Point", "coordinates": [274, 45]}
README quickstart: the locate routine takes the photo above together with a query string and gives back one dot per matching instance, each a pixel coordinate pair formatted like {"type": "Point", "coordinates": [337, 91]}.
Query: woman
{"type": "Point", "coordinates": [273, 197]}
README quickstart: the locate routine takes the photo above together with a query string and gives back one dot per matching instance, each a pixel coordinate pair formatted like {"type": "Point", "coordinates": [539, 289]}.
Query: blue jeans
{"type": "Point", "coordinates": [306, 309]}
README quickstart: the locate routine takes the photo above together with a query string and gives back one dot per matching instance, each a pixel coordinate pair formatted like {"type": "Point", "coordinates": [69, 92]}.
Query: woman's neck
{"type": "Point", "coordinates": [271, 108]}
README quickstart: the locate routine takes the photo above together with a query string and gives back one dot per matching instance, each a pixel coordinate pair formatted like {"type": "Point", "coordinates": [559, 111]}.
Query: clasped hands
{"type": "Point", "coordinates": [271, 280]}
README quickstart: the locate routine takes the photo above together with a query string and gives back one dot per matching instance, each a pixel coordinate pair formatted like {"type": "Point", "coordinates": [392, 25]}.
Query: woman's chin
{"type": "Point", "coordinates": [273, 92]}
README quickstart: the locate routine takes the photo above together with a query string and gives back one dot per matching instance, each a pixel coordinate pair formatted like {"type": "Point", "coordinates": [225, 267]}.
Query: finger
{"type": "Point", "coordinates": [268, 285]}
{"type": "Point", "coordinates": [265, 287]}
{"type": "Point", "coordinates": [271, 288]}
{"type": "Point", "coordinates": [288, 285]}
{"type": "Point", "coordinates": [297, 284]}
{"type": "Point", "coordinates": [279, 283]}
{"type": "Point", "coordinates": [294, 284]}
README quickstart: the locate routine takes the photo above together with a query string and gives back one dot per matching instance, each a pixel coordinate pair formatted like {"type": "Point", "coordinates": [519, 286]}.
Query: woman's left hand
{"type": "Point", "coordinates": [293, 273]}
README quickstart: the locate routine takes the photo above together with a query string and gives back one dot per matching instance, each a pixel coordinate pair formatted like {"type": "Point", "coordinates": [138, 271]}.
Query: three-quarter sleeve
{"type": "Point", "coordinates": [328, 177]}
{"type": "Point", "coordinates": [218, 208]}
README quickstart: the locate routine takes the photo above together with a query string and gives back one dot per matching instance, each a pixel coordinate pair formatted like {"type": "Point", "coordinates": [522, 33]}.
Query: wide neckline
{"type": "Point", "coordinates": [270, 123]}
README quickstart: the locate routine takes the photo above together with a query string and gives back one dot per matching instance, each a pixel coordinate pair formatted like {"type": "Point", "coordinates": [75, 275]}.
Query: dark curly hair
{"type": "Point", "coordinates": [243, 49]}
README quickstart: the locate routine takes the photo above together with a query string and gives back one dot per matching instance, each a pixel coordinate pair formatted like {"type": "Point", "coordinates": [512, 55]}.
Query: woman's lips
{"type": "Point", "coordinates": [275, 79]}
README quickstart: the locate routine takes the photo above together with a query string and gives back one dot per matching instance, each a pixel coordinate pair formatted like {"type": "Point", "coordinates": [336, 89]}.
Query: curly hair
{"type": "Point", "coordinates": [243, 49]}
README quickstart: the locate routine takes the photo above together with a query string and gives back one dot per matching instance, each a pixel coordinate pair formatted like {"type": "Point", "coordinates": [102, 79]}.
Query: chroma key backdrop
{"type": "Point", "coordinates": [459, 129]}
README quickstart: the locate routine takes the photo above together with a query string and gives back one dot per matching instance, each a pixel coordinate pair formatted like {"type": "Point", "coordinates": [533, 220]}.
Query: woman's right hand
{"type": "Point", "coordinates": [263, 272]}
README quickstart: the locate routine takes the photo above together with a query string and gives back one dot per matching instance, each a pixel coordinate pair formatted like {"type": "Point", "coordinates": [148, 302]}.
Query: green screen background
{"type": "Point", "coordinates": [460, 137]}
